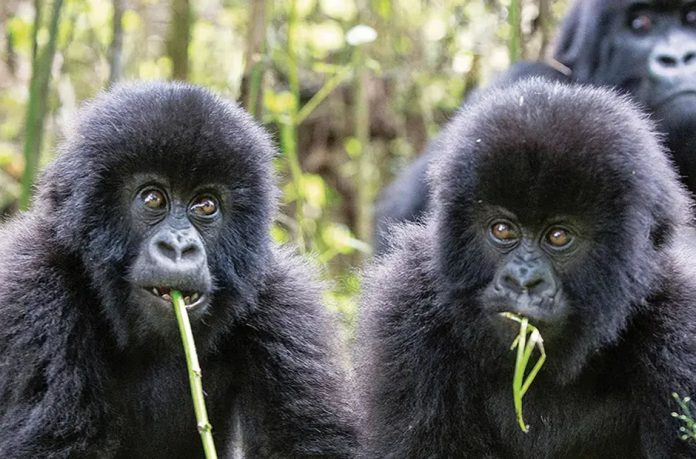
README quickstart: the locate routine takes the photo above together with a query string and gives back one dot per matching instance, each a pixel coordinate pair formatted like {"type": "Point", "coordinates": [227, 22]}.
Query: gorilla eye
{"type": "Point", "coordinates": [204, 206]}
{"type": "Point", "coordinates": [503, 232]}
{"type": "Point", "coordinates": [640, 22]}
{"type": "Point", "coordinates": [558, 237]}
{"type": "Point", "coordinates": [154, 199]}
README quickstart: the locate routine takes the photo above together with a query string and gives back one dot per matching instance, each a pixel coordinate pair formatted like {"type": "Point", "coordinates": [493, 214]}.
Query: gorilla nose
{"type": "Point", "coordinates": [532, 281]}
{"type": "Point", "coordinates": [177, 248]}
{"type": "Point", "coordinates": [673, 59]}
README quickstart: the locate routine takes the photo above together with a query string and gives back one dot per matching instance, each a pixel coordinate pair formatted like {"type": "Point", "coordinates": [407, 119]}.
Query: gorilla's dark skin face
{"type": "Point", "coordinates": [526, 281]}
{"type": "Point", "coordinates": [174, 227]}
{"type": "Point", "coordinates": [651, 52]}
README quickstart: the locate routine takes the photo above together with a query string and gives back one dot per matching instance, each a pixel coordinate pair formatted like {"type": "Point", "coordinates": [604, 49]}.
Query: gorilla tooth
{"type": "Point", "coordinates": [166, 297]}
{"type": "Point", "coordinates": [194, 297]}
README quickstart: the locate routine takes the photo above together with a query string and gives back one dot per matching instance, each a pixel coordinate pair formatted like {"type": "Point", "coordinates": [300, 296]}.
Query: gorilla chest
{"type": "Point", "coordinates": [565, 422]}
{"type": "Point", "coordinates": [153, 411]}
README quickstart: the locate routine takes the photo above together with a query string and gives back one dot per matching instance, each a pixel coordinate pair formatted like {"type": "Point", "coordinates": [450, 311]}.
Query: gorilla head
{"type": "Point", "coordinates": [562, 212]}
{"type": "Point", "coordinates": [647, 49]}
{"type": "Point", "coordinates": [152, 213]}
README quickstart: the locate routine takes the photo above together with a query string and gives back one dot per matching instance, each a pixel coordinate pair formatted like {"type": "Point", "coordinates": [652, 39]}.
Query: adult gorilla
{"type": "Point", "coordinates": [163, 186]}
{"type": "Point", "coordinates": [645, 48]}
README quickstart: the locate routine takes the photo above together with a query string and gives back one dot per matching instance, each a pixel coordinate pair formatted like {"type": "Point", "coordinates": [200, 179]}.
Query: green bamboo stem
{"type": "Point", "coordinates": [205, 429]}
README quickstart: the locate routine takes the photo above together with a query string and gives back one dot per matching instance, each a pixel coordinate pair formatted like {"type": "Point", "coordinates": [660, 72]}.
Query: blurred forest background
{"type": "Point", "coordinates": [351, 89]}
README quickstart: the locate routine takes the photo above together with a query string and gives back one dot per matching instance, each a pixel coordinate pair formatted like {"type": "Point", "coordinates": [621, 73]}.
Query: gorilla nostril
{"type": "Point", "coordinates": [667, 61]}
{"type": "Point", "coordinates": [510, 280]}
{"type": "Point", "coordinates": [690, 58]}
{"type": "Point", "coordinates": [166, 249]}
{"type": "Point", "coordinates": [189, 251]}
{"type": "Point", "coordinates": [531, 284]}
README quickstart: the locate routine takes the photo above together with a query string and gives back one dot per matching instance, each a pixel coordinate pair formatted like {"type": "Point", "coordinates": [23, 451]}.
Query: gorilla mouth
{"type": "Point", "coordinates": [674, 96]}
{"type": "Point", "coordinates": [192, 299]}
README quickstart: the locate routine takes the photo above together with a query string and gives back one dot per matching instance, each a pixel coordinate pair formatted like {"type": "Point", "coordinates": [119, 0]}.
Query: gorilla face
{"type": "Point", "coordinates": [651, 51]}
{"type": "Point", "coordinates": [526, 281]}
{"type": "Point", "coordinates": [173, 226]}
{"type": "Point", "coordinates": [559, 215]}
{"type": "Point", "coordinates": [178, 195]}
{"type": "Point", "coordinates": [645, 47]}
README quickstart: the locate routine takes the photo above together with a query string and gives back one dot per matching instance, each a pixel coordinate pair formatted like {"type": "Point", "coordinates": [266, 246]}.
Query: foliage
{"type": "Point", "coordinates": [352, 89]}
{"type": "Point", "coordinates": [688, 430]}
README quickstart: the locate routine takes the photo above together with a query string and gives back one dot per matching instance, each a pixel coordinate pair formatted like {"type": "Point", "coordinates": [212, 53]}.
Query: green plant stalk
{"type": "Point", "coordinates": [288, 139]}
{"type": "Point", "coordinates": [37, 103]}
{"type": "Point", "coordinates": [515, 39]}
{"type": "Point", "coordinates": [520, 384]}
{"type": "Point", "coordinates": [534, 340]}
{"type": "Point", "coordinates": [288, 134]}
{"type": "Point", "coordinates": [322, 94]}
{"type": "Point", "coordinates": [205, 429]}
{"type": "Point", "coordinates": [518, 377]}
{"type": "Point", "coordinates": [255, 59]}
{"type": "Point", "coordinates": [256, 78]}
{"type": "Point", "coordinates": [361, 117]}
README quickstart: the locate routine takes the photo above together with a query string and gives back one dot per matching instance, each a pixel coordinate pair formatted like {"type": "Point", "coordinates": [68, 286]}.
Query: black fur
{"type": "Point", "coordinates": [83, 370]}
{"type": "Point", "coordinates": [435, 370]}
{"type": "Point", "coordinates": [595, 45]}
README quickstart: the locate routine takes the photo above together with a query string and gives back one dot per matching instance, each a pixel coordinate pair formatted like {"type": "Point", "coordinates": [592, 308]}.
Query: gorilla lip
{"type": "Point", "coordinates": [674, 95]}
{"type": "Point", "coordinates": [191, 299]}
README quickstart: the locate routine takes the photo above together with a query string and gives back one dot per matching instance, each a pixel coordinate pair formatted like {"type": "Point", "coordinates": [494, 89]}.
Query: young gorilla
{"type": "Point", "coordinates": [556, 203]}
{"type": "Point", "coordinates": [164, 186]}
{"type": "Point", "coordinates": [645, 48]}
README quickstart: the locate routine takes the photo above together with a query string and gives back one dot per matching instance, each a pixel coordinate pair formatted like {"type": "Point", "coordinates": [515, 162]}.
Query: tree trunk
{"type": "Point", "coordinates": [544, 20]}
{"type": "Point", "coordinates": [254, 67]}
{"type": "Point", "coordinates": [179, 38]}
{"type": "Point", "coordinates": [116, 48]}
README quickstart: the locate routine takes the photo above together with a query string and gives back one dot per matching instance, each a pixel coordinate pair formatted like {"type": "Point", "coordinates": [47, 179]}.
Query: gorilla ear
{"type": "Point", "coordinates": [579, 38]}
{"type": "Point", "coordinates": [52, 191]}
{"type": "Point", "coordinates": [671, 211]}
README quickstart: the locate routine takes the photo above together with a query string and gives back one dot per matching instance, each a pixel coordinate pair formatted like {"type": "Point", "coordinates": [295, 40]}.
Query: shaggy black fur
{"type": "Point", "coordinates": [600, 42]}
{"type": "Point", "coordinates": [434, 359]}
{"type": "Point", "coordinates": [86, 370]}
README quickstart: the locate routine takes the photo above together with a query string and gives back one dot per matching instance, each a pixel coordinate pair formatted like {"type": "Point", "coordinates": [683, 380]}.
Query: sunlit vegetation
{"type": "Point", "coordinates": [352, 90]}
